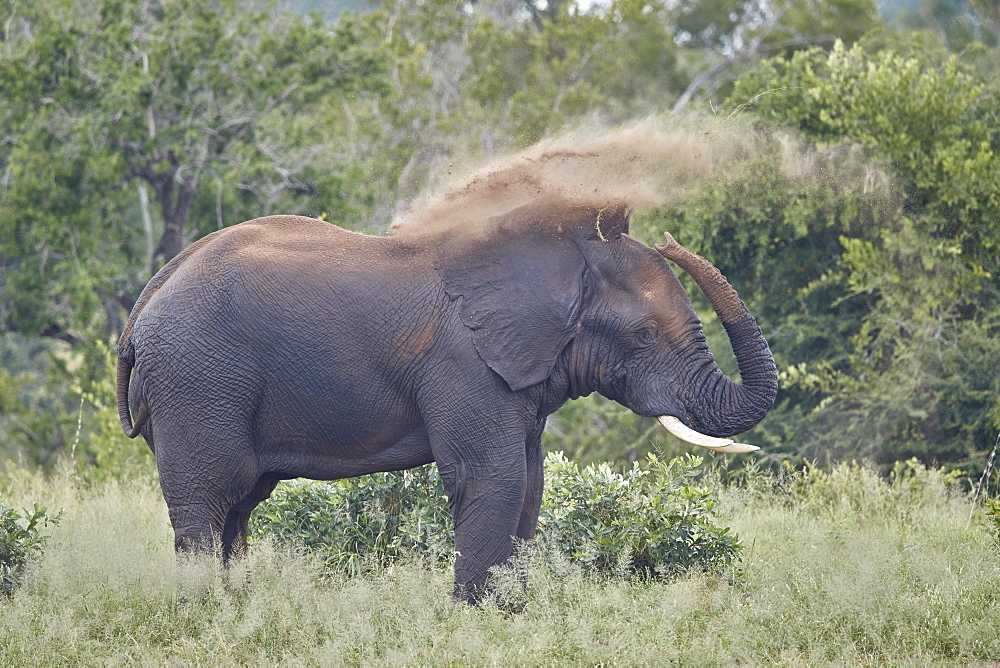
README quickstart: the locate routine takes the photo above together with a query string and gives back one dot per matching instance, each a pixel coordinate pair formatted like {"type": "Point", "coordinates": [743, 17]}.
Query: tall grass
{"type": "Point", "coordinates": [840, 566]}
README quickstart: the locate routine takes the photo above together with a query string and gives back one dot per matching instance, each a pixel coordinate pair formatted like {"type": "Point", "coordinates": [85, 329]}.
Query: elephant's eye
{"type": "Point", "coordinates": [645, 334]}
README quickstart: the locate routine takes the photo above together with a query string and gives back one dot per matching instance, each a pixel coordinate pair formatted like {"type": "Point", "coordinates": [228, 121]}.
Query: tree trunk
{"type": "Point", "coordinates": [175, 209]}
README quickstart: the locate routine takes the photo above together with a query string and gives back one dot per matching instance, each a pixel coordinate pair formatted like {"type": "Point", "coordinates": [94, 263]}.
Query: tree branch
{"type": "Point", "coordinates": [54, 331]}
{"type": "Point", "coordinates": [755, 47]}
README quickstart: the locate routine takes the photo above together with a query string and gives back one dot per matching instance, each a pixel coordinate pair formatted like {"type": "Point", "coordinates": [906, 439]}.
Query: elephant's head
{"type": "Point", "coordinates": [562, 295]}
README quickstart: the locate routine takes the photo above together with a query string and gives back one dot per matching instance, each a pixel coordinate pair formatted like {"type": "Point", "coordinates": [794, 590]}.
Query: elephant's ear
{"type": "Point", "coordinates": [521, 295]}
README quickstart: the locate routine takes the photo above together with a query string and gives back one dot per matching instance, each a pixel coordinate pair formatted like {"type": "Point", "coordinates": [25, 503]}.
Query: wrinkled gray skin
{"type": "Point", "coordinates": [286, 347]}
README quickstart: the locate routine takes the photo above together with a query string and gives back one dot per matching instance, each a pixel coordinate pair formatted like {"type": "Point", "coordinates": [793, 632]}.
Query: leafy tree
{"type": "Point", "coordinates": [211, 111]}
{"type": "Point", "coordinates": [886, 318]}
{"type": "Point", "coordinates": [132, 127]}
{"type": "Point", "coordinates": [570, 64]}
{"type": "Point", "coordinates": [720, 36]}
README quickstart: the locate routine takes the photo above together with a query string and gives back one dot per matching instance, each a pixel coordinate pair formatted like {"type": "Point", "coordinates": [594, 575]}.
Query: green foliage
{"type": "Point", "coordinates": [868, 252]}
{"type": "Point", "coordinates": [931, 123]}
{"type": "Point", "coordinates": [647, 523]}
{"type": "Point", "coordinates": [100, 449]}
{"type": "Point", "coordinates": [570, 64]}
{"type": "Point", "coordinates": [40, 414]}
{"type": "Point", "coordinates": [814, 589]}
{"type": "Point", "coordinates": [12, 408]}
{"type": "Point", "coordinates": [68, 410]}
{"type": "Point", "coordinates": [20, 541]}
{"type": "Point", "coordinates": [855, 493]}
{"type": "Point", "coordinates": [213, 109]}
{"type": "Point", "coordinates": [653, 522]}
{"type": "Point", "coordinates": [993, 516]}
{"type": "Point", "coordinates": [362, 523]}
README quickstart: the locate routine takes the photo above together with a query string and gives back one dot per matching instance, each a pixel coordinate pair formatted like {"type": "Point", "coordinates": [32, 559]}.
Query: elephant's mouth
{"type": "Point", "coordinates": [686, 433]}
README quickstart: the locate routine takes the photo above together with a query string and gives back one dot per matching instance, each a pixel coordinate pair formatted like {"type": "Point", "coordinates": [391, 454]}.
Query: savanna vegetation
{"type": "Point", "coordinates": [839, 565]}
{"type": "Point", "coordinates": [863, 232]}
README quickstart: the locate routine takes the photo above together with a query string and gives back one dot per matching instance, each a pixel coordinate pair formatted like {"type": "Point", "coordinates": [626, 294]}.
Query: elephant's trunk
{"type": "Point", "coordinates": [726, 408]}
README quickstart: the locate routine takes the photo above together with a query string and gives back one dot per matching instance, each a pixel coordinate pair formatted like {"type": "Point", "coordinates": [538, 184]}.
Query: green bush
{"type": "Point", "coordinates": [878, 285]}
{"type": "Point", "coordinates": [361, 523]}
{"type": "Point", "coordinates": [18, 543]}
{"type": "Point", "coordinates": [851, 490]}
{"type": "Point", "coordinates": [993, 516]}
{"type": "Point", "coordinates": [645, 523]}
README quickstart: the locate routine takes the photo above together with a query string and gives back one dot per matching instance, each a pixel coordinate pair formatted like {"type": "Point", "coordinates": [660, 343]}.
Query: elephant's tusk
{"type": "Point", "coordinates": [736, 448]}
{"type": "Point", "coordinates": [686, 433]}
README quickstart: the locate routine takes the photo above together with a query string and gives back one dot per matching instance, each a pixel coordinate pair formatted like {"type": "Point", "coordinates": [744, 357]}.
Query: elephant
{"type": "Point", "coordinates": [287, 347]}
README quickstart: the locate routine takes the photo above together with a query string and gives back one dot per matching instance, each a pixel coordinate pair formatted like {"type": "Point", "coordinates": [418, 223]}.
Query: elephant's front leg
{"type": "Point", "coordinates": [485, 479]}
{"type": "Point", "coordinates": [535, 469]}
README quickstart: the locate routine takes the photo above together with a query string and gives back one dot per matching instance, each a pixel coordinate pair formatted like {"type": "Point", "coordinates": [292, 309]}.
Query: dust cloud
{"type": "Point", "coordinates": [644, 165]}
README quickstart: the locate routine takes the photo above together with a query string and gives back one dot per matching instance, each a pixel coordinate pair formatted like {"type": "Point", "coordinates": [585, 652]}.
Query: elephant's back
{"type": "Point", "coordinates": [292, 243]}
{"type": "Point", "coordinates": [278, 267]}
{"type": "Point", "coordinates": [274, 246]}
{"type": "Point", "coordinates": [284, 239]}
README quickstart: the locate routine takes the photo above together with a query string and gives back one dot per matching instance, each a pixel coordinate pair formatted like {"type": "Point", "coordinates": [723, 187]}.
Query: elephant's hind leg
{"type": "Point", "coordinates": [203, 477]}
{"type": "Point", "coordinates": [234, 532]}
{"type": "Point", "coordinates": [197, 527]}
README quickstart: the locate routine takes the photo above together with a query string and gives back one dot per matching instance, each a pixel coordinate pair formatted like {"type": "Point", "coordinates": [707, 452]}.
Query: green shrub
{"type": "Point", "coordinates": [645, 523]}
{"type": "Point", "coordinates": [855, 492]}
{"type": "Point", "coordinates": [993, 516]}
{"type": "Point", "coordinates": [18, 543]}
{"type": "Point", "coordinates": [361, 523]}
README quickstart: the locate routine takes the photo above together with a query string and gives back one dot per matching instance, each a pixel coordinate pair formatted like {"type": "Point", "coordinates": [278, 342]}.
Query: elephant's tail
{"type": "Point", "coordinates": [126, 360]}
